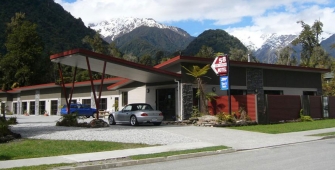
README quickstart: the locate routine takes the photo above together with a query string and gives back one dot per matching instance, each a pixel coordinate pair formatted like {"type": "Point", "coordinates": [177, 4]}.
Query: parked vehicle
{"type": "Point", "coordinates": [80, 109]}
{"type": "Point", "coordinates": [135, 114]}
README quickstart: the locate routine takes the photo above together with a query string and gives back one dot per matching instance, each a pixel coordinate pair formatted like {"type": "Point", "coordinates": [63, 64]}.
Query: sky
{"type": "Point", "coordinates": [247, 20]}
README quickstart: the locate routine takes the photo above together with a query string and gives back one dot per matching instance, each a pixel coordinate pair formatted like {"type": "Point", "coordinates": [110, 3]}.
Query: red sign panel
{"type": "Point", "coordinates": [220, 65]}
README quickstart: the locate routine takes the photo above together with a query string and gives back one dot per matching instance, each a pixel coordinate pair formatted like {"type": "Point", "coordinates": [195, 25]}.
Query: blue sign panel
{"type": "Point", "coordinates": [224, 83]}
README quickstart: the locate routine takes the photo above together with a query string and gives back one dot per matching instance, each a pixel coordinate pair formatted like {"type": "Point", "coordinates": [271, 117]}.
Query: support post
{"type": "Point", "coordinates": [63, 87]}
{"type": "Point", "coordinates": [97, 100]}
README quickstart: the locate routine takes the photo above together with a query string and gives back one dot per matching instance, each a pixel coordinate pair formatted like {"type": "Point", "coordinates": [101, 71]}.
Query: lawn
{"type": "Point", "coordinates": [289, 127]}
{"type": "Point", "coordinates": [34, 148]}
{"type": "Point", "coordinates": [170, 153]}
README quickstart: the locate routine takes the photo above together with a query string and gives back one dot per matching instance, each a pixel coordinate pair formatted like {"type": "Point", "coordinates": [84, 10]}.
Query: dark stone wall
{"type": "Point", "coordinates": [255, 86]}
{"type": "Point", "coordinates": [187, 100]}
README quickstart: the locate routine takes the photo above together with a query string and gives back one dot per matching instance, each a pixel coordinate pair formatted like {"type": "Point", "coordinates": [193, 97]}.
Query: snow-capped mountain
{"type": "Point", "coordinates": [271, 43]}
{"type": "Point", "coordinates": [116, 27]}
{"type": "Point", "coordinates": [268, 51]}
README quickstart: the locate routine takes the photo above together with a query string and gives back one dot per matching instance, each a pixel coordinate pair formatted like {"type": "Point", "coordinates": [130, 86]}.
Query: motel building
{"type": "Point", "coordinates": [166, 86]}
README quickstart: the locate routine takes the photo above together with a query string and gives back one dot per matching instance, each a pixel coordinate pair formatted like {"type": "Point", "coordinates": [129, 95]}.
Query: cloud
{"type": "Point", "coordinates": [284, 23]}
{"type": "Point", "coordinates": [272, 16]}
{"type": "Point", "coordinates": [223, 11]}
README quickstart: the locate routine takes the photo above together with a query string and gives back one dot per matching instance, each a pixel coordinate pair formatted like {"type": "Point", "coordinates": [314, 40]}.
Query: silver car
{"type": "Point", "coordinates": [135, 114]}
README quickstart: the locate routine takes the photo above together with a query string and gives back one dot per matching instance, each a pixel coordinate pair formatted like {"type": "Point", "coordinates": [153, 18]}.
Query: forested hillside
{"type": "Point", "coordinates": [150, 40]}
{"type": "Point", "coordinates": [57, 29]}
{"type": "Point", "coordinates": [218, 40]}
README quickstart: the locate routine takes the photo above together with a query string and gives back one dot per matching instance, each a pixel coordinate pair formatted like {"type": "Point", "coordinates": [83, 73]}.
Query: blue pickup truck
{"type": "Point", "coordinates": [80, 109]}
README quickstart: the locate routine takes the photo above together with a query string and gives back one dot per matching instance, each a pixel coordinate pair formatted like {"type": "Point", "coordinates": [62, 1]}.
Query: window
{"type": "Point", "coordinates": [124, 98]}
{"type": "Point", "coordinates": [15, 108]}
{"type": "Point", "coordinates": [309, 93]}
{"type": "Point", "coordinates": [3, 106]}
{"type": "Point", "coordinates": [238, 92]}
{"type": "Point", "coordinates": [273, 92]}
{"type": "Point", "coordinates": [127, 108]}
{"type": "Point", "coordinates": [116, 104]}
{"type": "Point", "coordinates": [103, 104]}
{"type": "Point", "coordinates": [41, 107]}
{"type": "Point", "coordinates": [32, 108]}
{"type": "Point", "coordinates": [24, 107]}
{"type": "Point", "coordinates": [54, 107]}
{"type": "Point", "coordinates": [86, 102]}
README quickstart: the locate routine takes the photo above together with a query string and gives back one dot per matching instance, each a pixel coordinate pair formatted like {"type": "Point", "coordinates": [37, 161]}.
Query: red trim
{"type": "Point", "coordinates": [179, 59]}
{"type": "Point", "coordinates": [172, 60]}
{"type": "Point", "coordinates": [112, 60]}
{"type": "Point", "coordinates": [118, 84]}
{"type": "Point", "coordinates": [50, 85]}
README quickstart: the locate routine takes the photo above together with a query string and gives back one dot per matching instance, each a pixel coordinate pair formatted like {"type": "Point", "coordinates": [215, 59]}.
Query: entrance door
{"type": "Point", "coordinates": [167, 103]}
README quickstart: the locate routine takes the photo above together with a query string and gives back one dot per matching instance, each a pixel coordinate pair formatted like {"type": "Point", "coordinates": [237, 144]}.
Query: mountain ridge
{"type": "Point", "coordinates": [116, 27]}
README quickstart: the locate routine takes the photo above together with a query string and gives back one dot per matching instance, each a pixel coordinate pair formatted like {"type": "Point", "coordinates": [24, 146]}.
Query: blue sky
{"type": "Point", "coordinates": [247, 20]}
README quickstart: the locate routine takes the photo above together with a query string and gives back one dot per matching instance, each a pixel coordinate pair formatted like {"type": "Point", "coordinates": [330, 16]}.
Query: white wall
{"type": "Point", "coordinates": [137, 95]}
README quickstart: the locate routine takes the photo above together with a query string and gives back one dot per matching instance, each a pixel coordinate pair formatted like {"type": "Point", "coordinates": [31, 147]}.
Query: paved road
{"type": "Point", "coordinates": [236, 139]}
{"type": "Point", "coordinates": [170, 137]}
{"type": "Point", "coordinates": [303, 156]}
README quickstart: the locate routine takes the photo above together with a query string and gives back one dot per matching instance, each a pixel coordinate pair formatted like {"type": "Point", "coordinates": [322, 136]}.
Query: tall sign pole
{"type": "Point", "coordinates": [221, 68]}
{"type": "Point", "coordinates": [229, 96]}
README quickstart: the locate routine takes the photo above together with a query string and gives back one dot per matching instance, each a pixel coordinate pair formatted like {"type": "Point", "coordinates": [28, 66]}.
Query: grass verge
{"type": "Point", "coordinates": [136, 157]}
{"type": "Point", "coordinates": [289, 127]}
{"type": "Point", "coordinates": [34, 148]}
{"type": "Point", "coordinates": [39, 167]}
{"type": "Point", "coordinates": [171, 153]}
{"type": "Point", "coordinates": [325, 134]}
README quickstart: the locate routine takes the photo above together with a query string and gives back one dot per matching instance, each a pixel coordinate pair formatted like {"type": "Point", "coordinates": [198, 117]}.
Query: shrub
{"type": "Point", "coordinates": [304, 118]}
{"type": "Point", "coordinates": [68, 120]}
{"type": "Point", "coordinates": [195, 112]}
{"type": "Point", "coordinates": [4, 128]}
{"type": "Point", "coordinates": [12, 121]}
{"type": "Point", "coordinates": [223, 117]}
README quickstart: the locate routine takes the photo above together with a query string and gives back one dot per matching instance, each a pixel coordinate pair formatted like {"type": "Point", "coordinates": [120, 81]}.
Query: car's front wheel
{"type": "Point", "coordinates": [133, 121]}
{"type": "Point", "coordinates": [111, 120]}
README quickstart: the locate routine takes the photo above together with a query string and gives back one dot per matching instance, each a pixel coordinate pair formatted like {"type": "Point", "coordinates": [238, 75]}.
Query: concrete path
{"type": "Point", "coordinates": [208, 136]}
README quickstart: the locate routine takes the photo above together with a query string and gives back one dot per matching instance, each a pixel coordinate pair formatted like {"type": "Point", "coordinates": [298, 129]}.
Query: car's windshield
{"type": "Point", "coordinates": [144, 107]}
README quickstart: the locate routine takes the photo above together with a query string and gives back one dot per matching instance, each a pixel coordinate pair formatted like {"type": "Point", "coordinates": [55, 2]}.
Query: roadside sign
{"type": "Point", "coordinates": [224, 84]}
{"type": "Point", "coordinates": [220, 65]}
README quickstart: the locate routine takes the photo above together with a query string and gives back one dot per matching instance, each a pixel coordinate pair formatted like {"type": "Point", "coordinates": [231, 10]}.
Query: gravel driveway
{"type": "Point", "coordinates": [42, 127]}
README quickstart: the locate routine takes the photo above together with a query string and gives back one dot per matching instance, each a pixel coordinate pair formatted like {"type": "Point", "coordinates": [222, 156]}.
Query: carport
{"type": "Point", "coordinates": [91, 61]}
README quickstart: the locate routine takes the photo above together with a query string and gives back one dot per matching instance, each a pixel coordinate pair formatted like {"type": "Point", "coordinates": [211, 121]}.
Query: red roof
{"type": "Point", "coordinates": [179, 59]}
{"type": "Point", "coordinates": [76, 84]}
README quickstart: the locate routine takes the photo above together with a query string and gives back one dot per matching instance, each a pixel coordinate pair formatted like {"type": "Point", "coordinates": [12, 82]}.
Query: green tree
{"type": "Point", "coordinates": [205, 52]}
{"type": "Point", "coordinates": [158, 57]}
{"type": "Point", "coordinates": [285, 57]}
{"type": "Point", "coordinates": [308, 38]}
{"type": "Point", "coordinates": [238, 54]}
{"type": "Point", "coordinates": [146, 60]}
{"type": "Point", "coordinates": [21, 64]}
{"type": "Point", "coordinates": [96, 43]}
{"type": "Point", "coordinates": [198, 73]}
{"type": "Point", "coordinates": [114, 51]}
{"type": "Point", "coordinates": [130, 57]}
{"type": "Point", "coordinates": [320, 58]}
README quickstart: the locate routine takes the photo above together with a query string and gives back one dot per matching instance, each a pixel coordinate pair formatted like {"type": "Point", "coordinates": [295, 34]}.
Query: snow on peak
{"type": "Point", "coordinates": [276, 41]}
{"type": "Point", "coordinates": [116, 27]}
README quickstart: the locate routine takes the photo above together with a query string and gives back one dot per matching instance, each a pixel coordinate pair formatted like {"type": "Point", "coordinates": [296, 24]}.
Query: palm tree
{"type": "Point", "coordinates": [198, 73]}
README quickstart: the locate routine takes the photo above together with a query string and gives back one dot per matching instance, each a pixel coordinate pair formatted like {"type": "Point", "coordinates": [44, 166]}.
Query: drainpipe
{"type": "Point", "coordinates": [178, 104]}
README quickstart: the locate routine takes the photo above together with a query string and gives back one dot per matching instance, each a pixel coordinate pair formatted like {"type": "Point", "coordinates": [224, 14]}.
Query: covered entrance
{"type": "Point", "coordinates": [167, 103]}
